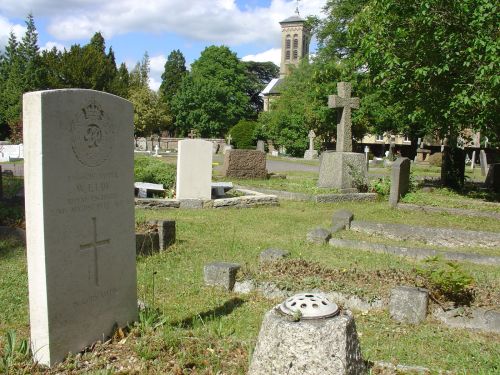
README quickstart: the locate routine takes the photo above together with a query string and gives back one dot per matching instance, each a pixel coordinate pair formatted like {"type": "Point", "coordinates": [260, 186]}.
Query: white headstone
{"type": "Point", "coordinates": [79, 172]}
{"type": "Point", "coordinates": [194, 169]}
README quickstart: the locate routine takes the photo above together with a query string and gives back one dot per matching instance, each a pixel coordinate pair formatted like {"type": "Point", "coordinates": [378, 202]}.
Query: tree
{"type": "Point", "coordinates": [139, 76]}
{"type": "Point", "coordinates": [437, 60]}
{"type": "Point", "coordinates": [150, 112]}
{"type": "Point", "coordinates": [12, 86]}
{"type": "Point", "coordinates": [175, 70]}
{"type": "Point", "coordinates": [121, 82]}
{"type": "Point", "coordinates": [88, 66]}
{"type": "Point", "coordinates": [213, 97]}
{"type": "Point", "coordinates": [259, 75]}
{"type": "Point", "coordinates": [30, 57]}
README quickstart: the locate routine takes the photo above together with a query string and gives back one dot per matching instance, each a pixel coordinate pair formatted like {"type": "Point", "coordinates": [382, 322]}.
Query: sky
{"type": "Point", "coordinates": [249, 27]}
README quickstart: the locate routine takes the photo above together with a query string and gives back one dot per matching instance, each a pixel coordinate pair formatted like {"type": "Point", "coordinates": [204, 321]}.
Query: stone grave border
{"type": "Point", "coordinates": [320, 198]}
{"type": "Point", "coordinates": [448, 210]}
{"type": "Point", "coordinates": [251, 199]}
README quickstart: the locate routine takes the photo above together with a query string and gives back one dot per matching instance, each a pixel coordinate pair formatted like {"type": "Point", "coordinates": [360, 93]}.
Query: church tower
{"type": "Point", "coordinates": [295, 40]}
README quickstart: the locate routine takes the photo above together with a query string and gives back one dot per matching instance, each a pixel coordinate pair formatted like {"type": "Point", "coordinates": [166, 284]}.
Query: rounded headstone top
{"type": "Point", "coordinates": [308, 306]}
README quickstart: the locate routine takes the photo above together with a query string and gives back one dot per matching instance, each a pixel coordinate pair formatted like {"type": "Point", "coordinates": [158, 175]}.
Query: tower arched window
{"type": "Point", "coordinates": [295, 54]}
{"type": "Point", "coordinates": [295, 41]}
{"type": "Point", "coordinates": [288, 42]}
{"type": "Point", "coordinates": [287, 54]}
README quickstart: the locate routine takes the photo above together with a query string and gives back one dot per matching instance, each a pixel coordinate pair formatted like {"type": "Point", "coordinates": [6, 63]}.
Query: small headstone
{"type": "Point", "coordinates": [273, 255]}
{"type": "Point", "coordinates": [221, 274]}
{"type": "Point", "coordinates": [400, 180]}
{"type": "Point", "coordinates": [342, 217]}
{"type": "Point", "coordinates": [408, 304]}
{"type": "Point", "coordinates": [244, 164]}
{"type": "Point", "coordinates": [483, 160]}
{"type": "Point", "coordinates": [79, 219]}
{"type": "Point", "coordinates": [493, 177]}
{"type": "Point", "coordinates": [166, 233]}
{"type": "Point", "coordinates": [146, 243]}
{"type": "Point", "coordinates": [194, 169]}
{"type": "Point", "coordinates": [274, 153]}
{"type": "Point", "coordinates": [318, 235]}
{"type": "Point", "coordinates": [473, 160]}
{"type": "Point", "coordinates": [261, 146]}
{"type": "Point", "coordinates": [289, 344]}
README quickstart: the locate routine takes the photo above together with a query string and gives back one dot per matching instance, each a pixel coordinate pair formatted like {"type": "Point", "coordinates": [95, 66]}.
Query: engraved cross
{"type": "Point", "coordinates": [344, 128]}
{"type": "Point", "coordinates": [94, 245]}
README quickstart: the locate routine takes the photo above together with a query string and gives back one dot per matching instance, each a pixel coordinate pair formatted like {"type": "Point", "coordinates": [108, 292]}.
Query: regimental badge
{"type": "Point", "coordinates": [92, 135]}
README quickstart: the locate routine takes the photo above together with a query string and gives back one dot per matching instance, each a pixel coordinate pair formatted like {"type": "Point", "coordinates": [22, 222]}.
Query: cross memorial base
{"type": "Point", "coordinates": [340, 170]}
{"type": "Point", "coordinates": [308, 155]}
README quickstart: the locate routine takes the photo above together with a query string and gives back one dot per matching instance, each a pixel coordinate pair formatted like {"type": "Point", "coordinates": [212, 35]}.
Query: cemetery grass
{"type": "Point", "coordinates": [194, 329]}
{"type": "Point", "coordinates": [295, 181]}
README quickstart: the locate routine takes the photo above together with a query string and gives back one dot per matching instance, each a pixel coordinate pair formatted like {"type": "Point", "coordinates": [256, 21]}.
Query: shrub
{"type": "Point", "coordinates": [436, 160]}
{"type": "Point", "coordinates": [382, 186]}
{"type": "Point", "coordinates": [447, 279]}
{"type": "Point", "coordinates": [243, 134]}
{"type": "Point", "coordinates": [153, 170]}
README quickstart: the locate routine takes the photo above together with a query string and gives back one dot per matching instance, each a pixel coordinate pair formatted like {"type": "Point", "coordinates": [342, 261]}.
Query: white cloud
{"type": "Point", "coordinates": [154, 84]}
{"type": "Point", "coordinates": [216, 21]}
{"type": "Point", "coordinates": [5, 29]}
{"type": "Point", "coordinates": [49, 45]}
{"type": "Point", "coordinates": [273, 54]}
{"type": "Point", "coordinates": [157, 66]}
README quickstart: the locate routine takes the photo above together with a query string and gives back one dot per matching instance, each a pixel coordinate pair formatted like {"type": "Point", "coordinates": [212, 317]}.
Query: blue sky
{"type": "Point", "coordinates": [249, 27]}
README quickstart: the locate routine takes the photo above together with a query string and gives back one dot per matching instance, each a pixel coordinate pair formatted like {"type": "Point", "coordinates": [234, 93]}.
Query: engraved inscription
{"type": "Point", "coordinates": [94, 245]}
{"type": "Point", "coordinates": [92, 135]}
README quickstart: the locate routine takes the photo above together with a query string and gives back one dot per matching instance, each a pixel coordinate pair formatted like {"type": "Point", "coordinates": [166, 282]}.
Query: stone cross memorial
{"type": "Point", "coordinates": [79, 178]}
{"type": "Point", "coordinates": [311, 153]}
{"type": "Point", "coordinates": [341, 169]}
{"type": "Point", "coordinates": [194, 169]}
{"type": "Point", "coordinates": [344, 101]}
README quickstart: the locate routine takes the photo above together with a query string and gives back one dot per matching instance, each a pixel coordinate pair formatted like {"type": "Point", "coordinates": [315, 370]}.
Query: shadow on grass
{"type": "Point", "coordinates": [225, 309]}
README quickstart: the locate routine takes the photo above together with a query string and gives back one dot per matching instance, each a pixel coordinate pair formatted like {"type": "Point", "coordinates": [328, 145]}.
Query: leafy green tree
{"type": "Point", "coordinates": [436, 61]}
{"type": "Point", "coordinates": [213, 97]}
{"type": "Point", "coordinates": [259, 75]}
{"type": "Point", "coordinates": [175, 70]}
{"type": "Point", "coordinates": [150, 112]}
{"type": "Point", "coordinates": [243, 134]}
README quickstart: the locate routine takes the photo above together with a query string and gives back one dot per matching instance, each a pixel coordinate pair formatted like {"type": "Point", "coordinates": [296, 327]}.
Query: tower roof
{"type": "Point", "coordinates": [293, 19]}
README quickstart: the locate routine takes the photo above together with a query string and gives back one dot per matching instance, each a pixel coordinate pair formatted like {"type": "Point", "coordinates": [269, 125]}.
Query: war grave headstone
{"type": "Point", "coordinates": [194, 169]}
{"type": "Point", "coordinates": [244, 164]}
{"type": "Point", "coordinates": [79, 219]}
{"type": "Point", "coordinates": [400, 180]}
{"type": "Point", "coordinates": [311, 153]}
{"type": "Point", "coordinates": [340, 169]}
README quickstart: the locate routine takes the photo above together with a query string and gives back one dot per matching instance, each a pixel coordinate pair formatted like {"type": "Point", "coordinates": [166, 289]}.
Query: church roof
{"type": "Point", "coordinates": [272, 87]}
{"type": "Point", "coordinates": [292, 19]}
